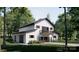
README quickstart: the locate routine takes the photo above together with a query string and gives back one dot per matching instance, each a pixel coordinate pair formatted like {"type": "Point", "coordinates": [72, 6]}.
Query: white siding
{"type": "Point", "coordinates": [54, 34]}
{"type": "Point", "coordinates": [36, 33]}
{"type": "Point", "coordinates": [17, 37]}
{"type": "Point", "coordinates": [51, 37]}
{"type": "Point", "coordinates": [42, 23]}
{"type": "Point", "coordinates": [26, 28]}
{"type": "Point", "coordinates": [28, 38]}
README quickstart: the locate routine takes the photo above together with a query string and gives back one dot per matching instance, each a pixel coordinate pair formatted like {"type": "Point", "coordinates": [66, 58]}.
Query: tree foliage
{"type": "Point", "coordinates": [15, 18]}
{"type": "Point", "coordinates": [60, 27]}
{"type": "Point", "coordinates": [72, 23]}
{"type": "Point", "coordinates": [74, 12]}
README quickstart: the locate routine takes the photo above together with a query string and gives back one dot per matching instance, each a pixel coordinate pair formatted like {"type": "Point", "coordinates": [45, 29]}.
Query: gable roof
{"type": "Point", "coordinates": [37, 22]}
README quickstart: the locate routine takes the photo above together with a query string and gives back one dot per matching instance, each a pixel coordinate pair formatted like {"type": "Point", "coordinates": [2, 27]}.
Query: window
{"type": "Point", "coordinates": [37, 26]}
{"type": "Point", "coordinates": [45, 29]}
{"type": "Point", "coordinates": [31, 36]}
{"type": "Point", "coordinates": [54, 36]}
{"type": "Point", "coordinates": [15, 38]}
{"type": "Point", "coordinates": [50, 28]}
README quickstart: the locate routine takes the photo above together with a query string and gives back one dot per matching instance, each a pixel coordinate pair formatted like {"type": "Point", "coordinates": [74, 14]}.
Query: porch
{"type": "Point", "coordinates": [44, 39]}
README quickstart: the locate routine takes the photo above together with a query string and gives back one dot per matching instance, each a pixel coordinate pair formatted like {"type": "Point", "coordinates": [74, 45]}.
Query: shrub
{"type": "Point", "coordinates": [10, 40]}
{"type": "Point", "coordinates": [34, 42]}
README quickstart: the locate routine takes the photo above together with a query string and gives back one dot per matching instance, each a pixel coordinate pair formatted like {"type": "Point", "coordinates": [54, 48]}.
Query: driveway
{"type": "Point", "coordinates": [58, 43]}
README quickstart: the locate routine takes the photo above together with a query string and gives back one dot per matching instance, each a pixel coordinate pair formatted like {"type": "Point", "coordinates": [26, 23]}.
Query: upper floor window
{"type": "Point", "coordinates": [45, 29]}
{"type": "Point", "coordinates": [37, 26]}
{"type": "Point", "coordinates": [51, 28]}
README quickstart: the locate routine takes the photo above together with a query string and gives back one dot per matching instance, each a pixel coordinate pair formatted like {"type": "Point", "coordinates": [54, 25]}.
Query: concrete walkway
{"type": "Point", "coordinates": [58, 43]}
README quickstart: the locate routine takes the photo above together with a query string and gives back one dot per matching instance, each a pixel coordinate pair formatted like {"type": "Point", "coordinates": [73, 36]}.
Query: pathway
{"type": "Point", "coordinates": [58, 43]}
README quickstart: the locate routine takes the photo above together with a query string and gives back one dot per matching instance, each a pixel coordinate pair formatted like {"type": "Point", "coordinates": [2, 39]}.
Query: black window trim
{"type": "Point", "coordinates": [31, 36]}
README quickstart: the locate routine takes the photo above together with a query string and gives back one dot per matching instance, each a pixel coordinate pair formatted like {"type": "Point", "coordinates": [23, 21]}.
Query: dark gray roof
{"type": "Point", "coordinates": [38, 21]}
{"type": "Point", "coordinates": [25, 31]}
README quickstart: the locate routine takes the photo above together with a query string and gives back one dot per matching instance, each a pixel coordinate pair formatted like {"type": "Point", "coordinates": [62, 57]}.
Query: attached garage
{"type": "Point", "coordinates": [21, 38]}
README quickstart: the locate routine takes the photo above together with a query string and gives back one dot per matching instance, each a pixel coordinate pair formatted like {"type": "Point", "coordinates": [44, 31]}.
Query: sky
{"type": "Point", "coordinates": [41, 12]}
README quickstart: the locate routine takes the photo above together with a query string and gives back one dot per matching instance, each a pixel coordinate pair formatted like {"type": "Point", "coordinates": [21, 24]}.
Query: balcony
{"type": "Point", "coordinates": [45, 33]}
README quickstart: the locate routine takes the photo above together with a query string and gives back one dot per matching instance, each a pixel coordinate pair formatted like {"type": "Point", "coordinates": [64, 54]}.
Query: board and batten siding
{"type": "Point", "coordinates": [44, 23]}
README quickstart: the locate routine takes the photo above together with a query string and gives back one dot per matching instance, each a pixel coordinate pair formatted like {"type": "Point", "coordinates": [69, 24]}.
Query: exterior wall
{"type": "Point", "coordinates": [42, 23]}
{"type": "Point", "coordinates": [26, 28]}
{"type": "Point", "coordinates": [36, 33]}
{"type": "Point", "coordinates": [54, 34]}
{"type": "Point", "coordinates": [51, 37]}
{"type": "Point", "coordinates": [17, 37]}
{"type": "Point", "coordinates": [28, 38]}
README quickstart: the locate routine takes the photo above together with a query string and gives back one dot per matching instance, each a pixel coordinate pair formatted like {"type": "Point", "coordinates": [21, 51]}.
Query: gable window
{"type": "Point", "coordinates": [37, 26]}
{"type": "Point", "coordinates": [50, 28]}
{"type": "Point", "coordinates": [31, 36]}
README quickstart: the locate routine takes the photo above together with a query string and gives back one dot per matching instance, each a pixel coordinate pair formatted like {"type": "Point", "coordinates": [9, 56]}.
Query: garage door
{"type": "Point", "coordinates": [21, 38]}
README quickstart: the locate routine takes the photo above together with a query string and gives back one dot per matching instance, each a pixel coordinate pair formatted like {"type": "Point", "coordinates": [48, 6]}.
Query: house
{"type": "Point", "coordinates": [41, 30]}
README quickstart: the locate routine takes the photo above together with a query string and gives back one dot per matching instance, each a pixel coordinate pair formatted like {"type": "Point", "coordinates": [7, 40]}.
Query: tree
{"type": "Point", "coordinates": [16, 17]}
{"type": "Point", "coordinates": [1, 21]}
{"type": "Point", "coordinates": [1, 25]}
{"type": "Point", "coordinates": [59, 25]}
{"type": "Point", "coordinates": [22, 16]}
{"type": "Point", "coordinates": [74, 12]}
{"type": "Point", "coordinates": [3, 10]}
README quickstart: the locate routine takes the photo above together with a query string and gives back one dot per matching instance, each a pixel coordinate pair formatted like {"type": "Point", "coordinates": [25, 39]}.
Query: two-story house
{"type": "Point", "coordinates": [41, 30]}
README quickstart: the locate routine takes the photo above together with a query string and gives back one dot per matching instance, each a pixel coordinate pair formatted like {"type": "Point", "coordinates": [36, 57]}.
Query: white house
{"type": "Point", "coordinates": [41, 30]}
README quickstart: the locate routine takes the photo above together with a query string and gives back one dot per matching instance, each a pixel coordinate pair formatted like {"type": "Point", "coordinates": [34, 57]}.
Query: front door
{"type": "Point", "coordinates": [46, 39]}
{"type": "Point", "coordinates": [21, 38]}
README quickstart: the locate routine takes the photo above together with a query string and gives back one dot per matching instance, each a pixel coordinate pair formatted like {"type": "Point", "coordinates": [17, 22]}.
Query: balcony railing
{"type": "Point", "coordinates": [45, 32]}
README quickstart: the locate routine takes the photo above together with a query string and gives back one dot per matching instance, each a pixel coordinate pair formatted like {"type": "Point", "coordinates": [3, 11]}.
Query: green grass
{"type": "Point", "coordinates": [1, 41]}
{"type": "Point", "coordinates": [36, 48]}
